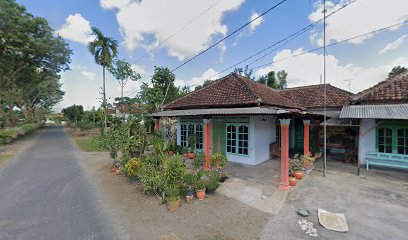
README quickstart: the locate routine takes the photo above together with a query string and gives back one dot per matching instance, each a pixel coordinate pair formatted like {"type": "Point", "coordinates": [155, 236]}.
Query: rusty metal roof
{"type": "Point", "coordinates": [223, 111]}
{"type": "Point", "coordinates": [388, 111]}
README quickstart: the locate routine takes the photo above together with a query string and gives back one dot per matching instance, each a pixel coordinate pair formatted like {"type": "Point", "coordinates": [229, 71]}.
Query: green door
{"type": "Point", "coordinates": [299, 135]}
{"type": "Point", "coordinates": [218, 139]}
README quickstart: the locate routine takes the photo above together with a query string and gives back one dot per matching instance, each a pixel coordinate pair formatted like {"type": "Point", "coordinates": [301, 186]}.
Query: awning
{"type": "Point", "coordinates": [389, 111]}
{"type": "Point", "coordinates": [223, 111]}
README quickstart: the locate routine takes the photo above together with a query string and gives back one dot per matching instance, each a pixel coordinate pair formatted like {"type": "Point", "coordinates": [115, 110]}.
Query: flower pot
{"type": "Point", "coordinates": [173, 206]}
{"type": "Point", "coordinates": [114, 169]}
{"type": "Point", "coordinates": [171, 153]}
{"type": "Point", "coordinates": [189, 196]}
{"type": "Point", "coordinates": [209, 192]}
{"type": "Point", "coordinates": [200, 194]}
{"type": "Point", "coordinates": [292, 181]}
{"type": "Point", "coordinates": [191, 155]}
{"type": "Point", "coordinates": [223, 178]}
{"type": "Point", "coordinates": [298, 174]}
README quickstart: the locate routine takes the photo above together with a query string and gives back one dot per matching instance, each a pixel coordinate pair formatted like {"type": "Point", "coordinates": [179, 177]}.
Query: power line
{"type": "Point", "coordinates": [229, 35]}
{"type": "Point", "coordinates": [285, 41]}
{"type": "Point", "coordinates": [179, 30]}
{"type": "Point", "coordinates": [333, 44]}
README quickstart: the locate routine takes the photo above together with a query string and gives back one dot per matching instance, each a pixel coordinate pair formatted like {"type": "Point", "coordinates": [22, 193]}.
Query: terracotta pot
{"type": "Point", "coordinates": [292, 181]}
{"type": "Point", "coordinates": [173, 206]}
{"type": "Point", "coordinates": [298, 174]}
{"type": "Point", "coordinates": [171, 153]}
{"type": "Point", "coordinates": [114, 169]}
{"type": "Point", "coordinates": [191, 155]}
{"type": "Point", "coordinates": [200, 194]}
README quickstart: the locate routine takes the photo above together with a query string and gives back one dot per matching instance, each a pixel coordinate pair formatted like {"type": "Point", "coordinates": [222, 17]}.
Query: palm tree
{"type": "Point", "coordinates": [104, 49]}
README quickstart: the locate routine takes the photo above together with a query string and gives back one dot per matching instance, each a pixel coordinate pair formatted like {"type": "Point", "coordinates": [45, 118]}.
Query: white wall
{"type": "Point", "coordinates": [366, 139]}
{"type": "Point", "coordinates": [261, 135]}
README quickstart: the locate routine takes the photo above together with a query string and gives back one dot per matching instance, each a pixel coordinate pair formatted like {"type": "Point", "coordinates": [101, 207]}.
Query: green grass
{"type": "Point", "coordinates": [91, 144]}
{"type": "Point", "coordinates": [4, 159]}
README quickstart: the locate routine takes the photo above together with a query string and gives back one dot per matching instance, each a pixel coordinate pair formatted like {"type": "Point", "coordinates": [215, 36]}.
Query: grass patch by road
{"type": "Point", "coordinates": [4, 159]}
{"type": "Point", "coordinates": [90, 144]}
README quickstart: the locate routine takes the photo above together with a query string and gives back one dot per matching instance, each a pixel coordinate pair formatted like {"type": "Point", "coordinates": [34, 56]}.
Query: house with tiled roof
{"type": "Point", "coordinates": [241, 118]}
{"type": "Point", "coordinates": [382, 111]}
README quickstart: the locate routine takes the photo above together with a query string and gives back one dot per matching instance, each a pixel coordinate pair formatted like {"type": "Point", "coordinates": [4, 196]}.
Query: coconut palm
{"type": "Point", "coordinates": [104, 49]}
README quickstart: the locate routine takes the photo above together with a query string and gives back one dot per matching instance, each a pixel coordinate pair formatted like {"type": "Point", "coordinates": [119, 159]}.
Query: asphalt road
{"type": "Point", "coordinates": [45, 195]}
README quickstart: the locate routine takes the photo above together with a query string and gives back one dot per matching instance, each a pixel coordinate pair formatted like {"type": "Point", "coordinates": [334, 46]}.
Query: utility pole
{"type": "Point", "coordinates": [325, 90]}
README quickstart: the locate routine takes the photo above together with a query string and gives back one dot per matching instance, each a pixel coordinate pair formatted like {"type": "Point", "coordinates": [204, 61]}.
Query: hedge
{"type": "Point", "coordinates": [10, 134]}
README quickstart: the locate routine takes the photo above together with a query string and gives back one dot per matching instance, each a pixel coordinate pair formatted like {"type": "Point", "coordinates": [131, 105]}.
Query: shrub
{"type": "Point", "coordinates": [213, 180]}
{"type": "Point", "coordinates": [174, 171]}
{"type": "Point", "coordinates": [190, 179]}
{"type": "Point", "coordinates": [151, 178]}
{"type": "Point", "coordinates": [172, 193]}
{"type": "Point", "coordinates": [218, 160]}
{"type": "Point", "coordinates": [198, 161]}
{"type": "Point", "coordinates": [132, 167]}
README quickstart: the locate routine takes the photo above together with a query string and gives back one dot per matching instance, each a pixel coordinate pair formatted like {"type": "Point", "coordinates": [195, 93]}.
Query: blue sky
{"type": "Point", "coordinates": [139, 26]}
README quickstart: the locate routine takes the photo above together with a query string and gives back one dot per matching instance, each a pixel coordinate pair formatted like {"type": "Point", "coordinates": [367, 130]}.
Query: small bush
{"type": "Point", "coordinates": [213, 180]}
{"type": "Point", "coordinates": [132, 167]}
{"type": "Point", "coordinates": [172, 193]}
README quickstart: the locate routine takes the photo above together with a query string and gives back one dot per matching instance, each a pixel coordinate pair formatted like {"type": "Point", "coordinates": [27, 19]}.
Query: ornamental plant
{"type": "Point", "coordinates": [213, 180]}
{"type": "Point", "coordinates": [296, 163]}
{"type": "Point", "coordinates": [132, 167]}
{"type": "Point", "coordinates": [172, 193]}
{"type": "Point", "coordinates": [218, 160]}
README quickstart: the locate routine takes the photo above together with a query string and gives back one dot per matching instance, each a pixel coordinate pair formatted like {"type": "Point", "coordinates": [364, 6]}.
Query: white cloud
{"type": "Point", "coordinates": [77, 29]}
{"type": "Point", "coordinates": [160, 19]}
{"type": "Point", "coordinates": [393, 45]}
{"type": "Point", "coordinates": [362, 16]}
{"type": "Point", "coordinates": [88, 75]}
{"type": "Point", "coordinates": [138, 69]}
{"type": "Point", "coordinates": [257, 22]}
{"type": "Point", "coordinates": [306, 69]}
{"type": "Point", "coordinates": [195, 81]}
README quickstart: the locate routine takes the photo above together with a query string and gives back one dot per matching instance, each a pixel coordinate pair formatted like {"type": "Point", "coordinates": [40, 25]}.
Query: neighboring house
{"type": "Point", "coordinates": [312, 99]}
{"type": "Point", "coordinates": [383, 114]}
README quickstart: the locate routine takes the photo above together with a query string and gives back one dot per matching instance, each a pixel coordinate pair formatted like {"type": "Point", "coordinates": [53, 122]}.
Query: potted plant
{"type": "Point", "coordinates": [213, 181]}
{"type": "Point", "coordinates": [172, 198]}
{"type": "Point", "coordinates": [218, 162]}
{"type": "Point", "coordinates": [292, 181]}
{"type": "Point", "coordinates": [200, 189]}
{"type": "Point", "coordinates": [189, 181]}
{"type": "Point", "coordinates": [192, 142]}
{"type": "Point", "coordinates": [296, 166]}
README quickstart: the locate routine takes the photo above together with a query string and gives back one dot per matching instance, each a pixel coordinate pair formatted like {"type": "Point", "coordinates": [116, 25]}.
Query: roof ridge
{"type": "Point", "coordinates": [305, 86]}
{"type": "Point", "coordinates": [246, 87]}
{"type": "Point", "coordinates": [387, 81]}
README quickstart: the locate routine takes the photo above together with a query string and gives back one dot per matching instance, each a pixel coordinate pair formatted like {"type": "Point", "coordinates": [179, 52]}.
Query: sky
{"type": "Point", "coordinates": [145, 27]}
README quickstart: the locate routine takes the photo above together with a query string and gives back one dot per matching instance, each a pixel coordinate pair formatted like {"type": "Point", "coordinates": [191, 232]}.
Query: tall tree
{"type": "Point", "coordinates": [31, 60]}
{"type": "Point", "coordinates": [246, 72]}
{"type": "Point", "coordinates": [282, 75]}
{"type": "Point", "coordinates": [396, 71]}
{"type": "Point", "coordinates": [104, 49]}
{"type": "Point", "coordinates": [123, 72]}
{"type": "Point", "coordinates": [161, 91]}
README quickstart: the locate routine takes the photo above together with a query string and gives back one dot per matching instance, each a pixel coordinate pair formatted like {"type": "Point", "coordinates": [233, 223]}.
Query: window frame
{"type": "Point", "coordinates": [187, 132]}
{"type": "Point", "coordinates": [394, 126]}
{"type": "Point", "coordinates": [237, 139]}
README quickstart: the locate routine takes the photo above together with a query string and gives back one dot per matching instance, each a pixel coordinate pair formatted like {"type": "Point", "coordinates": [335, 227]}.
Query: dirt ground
{"type": "Point", "coordinates": [8, 151]}
{"type": "Point", "coordinates": [140, 216]}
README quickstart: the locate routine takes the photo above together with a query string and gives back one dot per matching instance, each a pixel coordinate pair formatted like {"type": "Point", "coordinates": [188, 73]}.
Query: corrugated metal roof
{"type": "Point", "coordinates": [222, 111]}
{"type": "Point", "coordinates": [329, 113]}
{"type": "Point", "coordinates": [389, 111]}
{"type": "Point", "coordinates": [335, 121]}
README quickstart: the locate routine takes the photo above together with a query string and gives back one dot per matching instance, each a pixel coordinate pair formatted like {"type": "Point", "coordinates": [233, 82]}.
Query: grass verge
{"type": "Point", "coordinates": [90, 144]}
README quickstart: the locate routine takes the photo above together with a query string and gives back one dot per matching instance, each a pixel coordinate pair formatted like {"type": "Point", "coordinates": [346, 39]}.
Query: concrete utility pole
{"type": "Point", "coordinates": [325, 90]}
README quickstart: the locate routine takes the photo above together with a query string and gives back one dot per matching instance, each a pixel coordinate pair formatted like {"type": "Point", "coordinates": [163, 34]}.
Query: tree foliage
{"type": "Point", "coordinates": [396, 71]}
{"type": "Point", "coordinates": [123, 72]}
{"type": "Point", "coordinates": [31, 60]}
{"type": "Point", "coordinates": [276, 81]}
{"type": "Point", "coordinates": [73, 114]}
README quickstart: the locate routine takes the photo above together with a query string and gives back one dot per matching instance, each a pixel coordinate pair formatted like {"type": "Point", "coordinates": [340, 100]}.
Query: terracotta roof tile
{"type": "Point", "coordinates": [391, 90]}
{"type": "Point", "coordinates": [233, 90]}
{"type": "Point", "coordinates": [313, 96]}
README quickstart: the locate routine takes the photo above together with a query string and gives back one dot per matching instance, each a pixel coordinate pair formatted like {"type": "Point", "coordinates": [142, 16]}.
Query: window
{"type": "Point", "coordinates": [392, 137]}
{"type": "Point", "coordinates": [237, 139]}
{"type": "Point", "coordinates": [184, 135]}
{"type": "Point", "coordinates": [402, 140]}
{"type": "Point", "coordinates": [385, 140]}
{"type": "Point", "coordinates": [199, 136]}
{"type": "Point", "coordinates": [243, 140]}
{"type": "Point", "coordinates": [192, 129]}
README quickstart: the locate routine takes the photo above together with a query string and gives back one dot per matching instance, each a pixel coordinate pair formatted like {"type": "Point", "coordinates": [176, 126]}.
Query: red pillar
{"type": "Point", "coordinates": [157, 124]}
{"type": "Point", "coordinates": [207, 143]}
{"type": "Point", "coordinates": [306, 137]}
{"type": "Point", "coordinates": [284, 184]}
